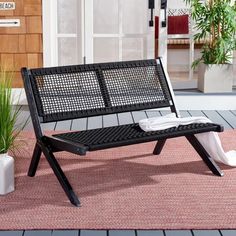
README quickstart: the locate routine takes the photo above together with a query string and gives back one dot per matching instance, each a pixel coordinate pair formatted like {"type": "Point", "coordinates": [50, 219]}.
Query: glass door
{"type": "Point", "coordinates": [63, 32]}
{"type": "Point", "coordinates": [118, 30]}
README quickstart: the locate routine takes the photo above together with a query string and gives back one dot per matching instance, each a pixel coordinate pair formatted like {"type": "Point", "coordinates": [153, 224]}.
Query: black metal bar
{"type": "Point", "coordinates": [35, 160]}
{"type": "Point", "coordinates": [159, 146]}
{"type": "Point", "coordinates": [60, 175]}
{"type": "Point", "coordinates": [204, 155]}
{"type": "Point", "coordinates": [151, 6]}
{"type": "Point", "coordinates": [164, 7]}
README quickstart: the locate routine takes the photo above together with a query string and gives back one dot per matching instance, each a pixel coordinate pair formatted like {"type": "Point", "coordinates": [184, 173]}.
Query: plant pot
{"type": "Point", "coordinates": [6, 174]}
{"type": "Point", "coordinates": [215, 78]}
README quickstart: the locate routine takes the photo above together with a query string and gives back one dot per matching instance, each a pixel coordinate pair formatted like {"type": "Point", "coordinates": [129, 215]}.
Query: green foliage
{"type": "Point", "coordinates": [215, 23]}
{"type": "Point", "coordinates": [8, 116]}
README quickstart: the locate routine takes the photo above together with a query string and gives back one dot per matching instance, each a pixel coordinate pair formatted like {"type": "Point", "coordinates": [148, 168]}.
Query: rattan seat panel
{"type": "Point", "coordinates": [129, 134]}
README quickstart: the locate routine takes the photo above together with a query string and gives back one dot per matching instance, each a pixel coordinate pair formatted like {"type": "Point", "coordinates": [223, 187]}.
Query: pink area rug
{"type": "Point", "coordinates": [124, 188]}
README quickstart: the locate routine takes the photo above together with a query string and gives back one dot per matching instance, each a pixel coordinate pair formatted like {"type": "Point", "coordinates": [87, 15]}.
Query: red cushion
{"type": "Point", "coordinates": [178, 24]}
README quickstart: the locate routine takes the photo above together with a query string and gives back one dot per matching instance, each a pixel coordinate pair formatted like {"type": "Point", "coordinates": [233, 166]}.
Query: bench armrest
{"type": "Point", "coordinates": [65, 145]}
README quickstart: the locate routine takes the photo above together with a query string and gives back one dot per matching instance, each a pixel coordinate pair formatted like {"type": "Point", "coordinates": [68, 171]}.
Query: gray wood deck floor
{"type": "Point", "coordinates": [226, 118]}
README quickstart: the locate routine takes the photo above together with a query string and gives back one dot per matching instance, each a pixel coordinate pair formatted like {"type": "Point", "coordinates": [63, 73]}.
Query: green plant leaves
{"type": "Point", "coordinates": [8, 115]}
{"type": "Point", "coordinates": [215, 23]}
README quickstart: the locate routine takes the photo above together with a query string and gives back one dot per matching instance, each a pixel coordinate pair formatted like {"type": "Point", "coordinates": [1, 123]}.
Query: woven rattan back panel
{"type": "Point", "coordinates": [137, 83]}
{"type": "Point", "coordinates": [86, 90]}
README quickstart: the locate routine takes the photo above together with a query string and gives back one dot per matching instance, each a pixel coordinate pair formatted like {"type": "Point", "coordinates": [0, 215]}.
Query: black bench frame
{"type": "Point", "coordinates": [42, 94]}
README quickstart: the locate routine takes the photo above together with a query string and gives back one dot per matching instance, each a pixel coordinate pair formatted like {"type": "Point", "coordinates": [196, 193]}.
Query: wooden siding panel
{"type": "Point", "coordinates": [34, 24]}
{"type": "Point", "coordinates": [21, 43]}
{"type": "Point", "coordinates": [9, 44]}
{"type": "Point", "coordinates": [32, 2]}
{"type": "Point", "coordinates": [19, 11]}
{"type": "Point", "coordinates": [7, 61]}
{"type": "Point", "coordinates": [33, 9]}
{"type": "Point", "coordinates": [17, 82]}
{"type": "Point", "coordinates": [40, 60]}
{"type": "Point", "coordinates": [33, 42]}
{"type": "Point", "coordinates": [22, 46]}
{"type": "Point", "coordinates": [33, 60]}
{"type": "Point", "coordinates": [20, 60]}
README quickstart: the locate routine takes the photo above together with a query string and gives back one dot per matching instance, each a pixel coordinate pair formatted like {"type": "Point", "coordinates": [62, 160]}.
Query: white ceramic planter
{"type": "Point", "coordinates": [215, 78]}
{"type": "Point", "coordinates": [6, 174]}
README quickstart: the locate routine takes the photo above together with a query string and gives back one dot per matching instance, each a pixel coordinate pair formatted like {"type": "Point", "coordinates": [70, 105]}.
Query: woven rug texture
{"type": "Point", "coordinates": [124, 188]}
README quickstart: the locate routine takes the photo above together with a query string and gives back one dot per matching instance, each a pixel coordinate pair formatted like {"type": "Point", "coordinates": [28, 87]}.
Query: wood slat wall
{"type": "Point", "coordinates": [22, 46]}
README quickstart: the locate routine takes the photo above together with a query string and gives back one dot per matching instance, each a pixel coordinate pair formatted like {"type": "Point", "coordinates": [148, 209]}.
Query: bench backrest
{"type": "Point", "coordinates": [70, 92]}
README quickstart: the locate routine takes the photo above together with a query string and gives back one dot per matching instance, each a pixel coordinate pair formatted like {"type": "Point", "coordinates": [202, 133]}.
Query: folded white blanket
{"type": "Point", "coordinates": [209, 140]}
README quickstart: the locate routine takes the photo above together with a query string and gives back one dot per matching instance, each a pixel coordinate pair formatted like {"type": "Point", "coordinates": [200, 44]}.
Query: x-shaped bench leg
{"type": "Point", "coordinates": [204, 155]}
{"type": "Point", "coordinates": [60, 175]}
{"type": "Point", "coordinates": [35, 160]}
{"type": "Point", "coordinates": [158, 148]}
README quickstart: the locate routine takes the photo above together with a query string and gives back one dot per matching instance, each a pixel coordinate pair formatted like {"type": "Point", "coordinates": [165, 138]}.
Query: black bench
{"type": "Point", "coordinates": [70, 92]}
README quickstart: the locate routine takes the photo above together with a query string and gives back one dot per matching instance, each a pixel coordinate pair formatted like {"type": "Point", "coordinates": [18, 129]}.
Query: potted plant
{"type": "Point", "coordinates": [215, 24]}
{"type": "Point", "coordinates": [8, 132]}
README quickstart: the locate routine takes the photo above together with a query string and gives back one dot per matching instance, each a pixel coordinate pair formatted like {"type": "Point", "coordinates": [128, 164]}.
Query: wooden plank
{"type": "Point", "coordinates": [110, 120]}
{"type": "Point", "coordinates": [48, 126]}
{"type": "Point", "coordinates": [93, 233]}
{"type": "Point", "coordinates": [196, 113]}
{"type": "Point", "coordinates": [38, 233]}
{"type": "Point", "coordinates": [138, 115]}
{"type": "Point", "coordinates": [228, 232]}
{"type": "Point", "coordinates": [65, 233]}
{"type": "Point", "coordinates": [63, 125]}
{"type": "Point", "coordinates": [24, 116]}
{"type": "Point", "coordinates": [206, 233]}
{"type": "Point", "coordinates": [150, 233]}
{"type": "Point", "coordinates": [151, 114]}
{"type": "Point", "coordinates": [79, 124]}
{"type": "Point", "coordinates": [215, 117]}
{"type": "Point", "coordinates": [125, 118]}
{"type": "Point", "coordinates": [234, 112]}
{"type": "Point", "coordinates": [94, 122]}
{"type": "Point", "coordinates": [178, 233]}
{"type": "Point", "coordinates": [184, 114]}
{"type": "Point", "coordinates": [11, 233]}
{"type": "Point", "coordinates": [121, 233]}
{"type": "Point", "coordinates": [165, 112]}
{"type": "Point", "coordinates": [229, 117]}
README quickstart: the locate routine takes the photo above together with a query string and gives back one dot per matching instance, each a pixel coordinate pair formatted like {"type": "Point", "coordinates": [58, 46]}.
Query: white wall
{"type": "Point", "coordinates": [176, 4]}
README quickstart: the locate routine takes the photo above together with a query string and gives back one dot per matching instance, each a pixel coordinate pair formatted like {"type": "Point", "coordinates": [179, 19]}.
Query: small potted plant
{"type": "Point", "coordinates": [8, 132]}
{"type": "Point", "coordinates": [215, 24]}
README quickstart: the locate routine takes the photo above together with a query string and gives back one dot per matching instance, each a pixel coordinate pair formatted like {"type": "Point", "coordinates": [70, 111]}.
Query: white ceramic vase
{"type": "Point", "coordinates": [6, 174]}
